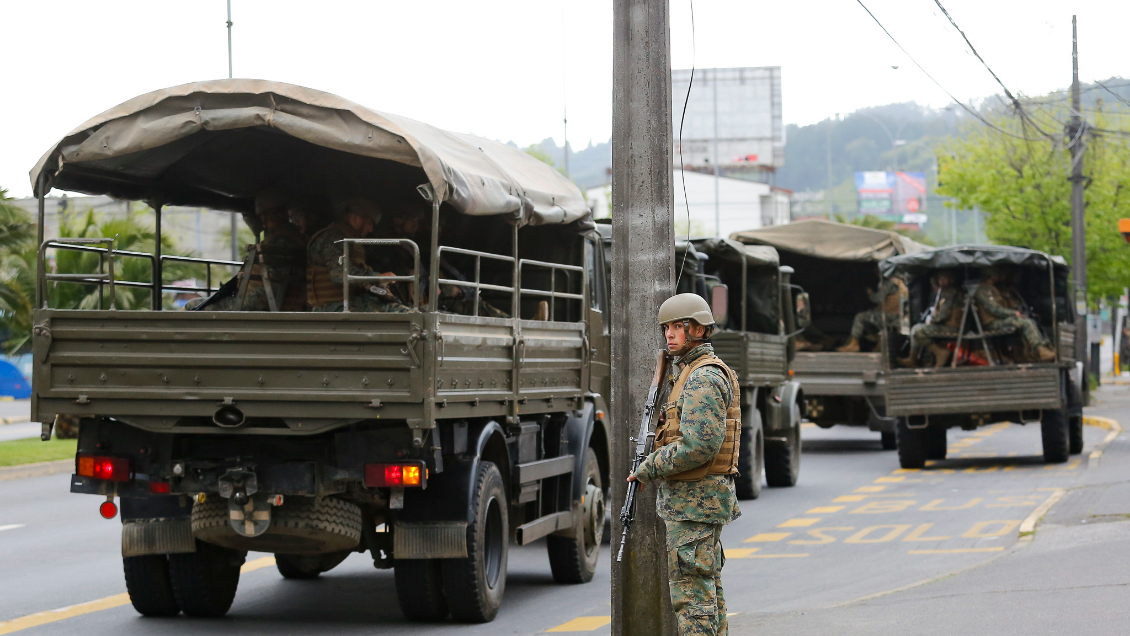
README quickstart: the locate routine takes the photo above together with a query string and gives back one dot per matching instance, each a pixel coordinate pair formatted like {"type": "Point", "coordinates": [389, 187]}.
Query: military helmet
{"type": "Point", "coordinates": [364, 208]}
{"type": "Point", "coordinates": [686, 307]}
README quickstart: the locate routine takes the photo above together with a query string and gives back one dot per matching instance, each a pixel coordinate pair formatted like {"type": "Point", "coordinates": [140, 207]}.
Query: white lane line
{"type": "Point", "coordinates": [11, 526]}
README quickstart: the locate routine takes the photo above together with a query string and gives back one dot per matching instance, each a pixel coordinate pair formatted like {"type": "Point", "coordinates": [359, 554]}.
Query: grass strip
{"type": "Point", "coordinates": [31, 451]}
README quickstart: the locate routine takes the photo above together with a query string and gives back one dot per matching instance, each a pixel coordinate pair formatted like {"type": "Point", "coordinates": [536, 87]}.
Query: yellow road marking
{"type": "Point", "coordinates": [848, 498]}
{"type": "Point", "coordinates": [900, 471]}
{"type": "Point", "coordinates": [800, 523]}
{"type": "Point", "coordinates": [893, 531]}
{"type": "Point", "coordinates": [933, 505]}
{"type": "Point", "coordinates": [869, 489]}
{"type": "Point", "coordinates": [821, 535]}
{"type": "Point", "coordinates": [887, 480]}
{"type": "Point", "coordinates": [980, 530]}
{"type": "Point", "coordinates": [110, 602]}
{"type": "Point", "coordinates": [767, 537]}
{"type": "Point", "coordinates": [824, 510]}
{"type": "Point", "coordinates": [916, 534]}
{"type": "Point", "coordinates": [777, 556]}
{"type": "Point", "coordinates": [583, 624]}
{"type": "Point", "coordinates": [957, 550]}
{"type": "Point", "coordinates": [739, 553]}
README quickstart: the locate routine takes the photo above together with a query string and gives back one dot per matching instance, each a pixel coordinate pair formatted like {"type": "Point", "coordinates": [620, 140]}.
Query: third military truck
{"type": "Point", "coordinates": [1001, 349]}
{"type": "Point", "coordinates": [837, 264]}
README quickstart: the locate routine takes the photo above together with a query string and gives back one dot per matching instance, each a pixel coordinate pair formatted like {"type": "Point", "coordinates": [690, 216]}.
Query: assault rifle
{"type": "Point", "coordinates": [643, 441]}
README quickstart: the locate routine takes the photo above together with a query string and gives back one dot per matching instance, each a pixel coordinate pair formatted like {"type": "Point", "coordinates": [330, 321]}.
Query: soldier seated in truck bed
{"type": "Point", "coordinates": [882, 316]}
{"type": "Point", "coordinates": [325, 271]}
{"type": "Point", "coordinates": [1001, 309]}
{"type": "Point", "coordinates": [943, 320]}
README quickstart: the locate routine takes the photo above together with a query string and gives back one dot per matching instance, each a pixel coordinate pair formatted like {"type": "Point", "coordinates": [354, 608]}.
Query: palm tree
{"type": "Point", "coordinates": [15, 235]}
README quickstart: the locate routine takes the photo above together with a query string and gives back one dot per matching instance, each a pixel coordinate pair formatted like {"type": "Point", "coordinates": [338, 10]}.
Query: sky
{"type": "Point", "coordinates": [507, 69]}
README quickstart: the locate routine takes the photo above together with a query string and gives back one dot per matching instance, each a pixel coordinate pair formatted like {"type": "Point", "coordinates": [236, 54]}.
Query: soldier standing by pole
{"type": "Point", "coordinates": [695, 461]}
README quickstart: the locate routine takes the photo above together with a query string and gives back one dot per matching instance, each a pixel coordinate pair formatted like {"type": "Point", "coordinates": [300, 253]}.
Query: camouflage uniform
{"type": "Point", "coordinates": [886, 300]}
{"type": "Point", "coordinates": [283, 251]}
{"type": "Point", "coordinates": [324, 253]}
{"type": "Point", "coordinates": [945, 322]}
{"type": "Point", "coordinates": [998, 308]}
{"type": "Point", "coordinates": [695, 511]}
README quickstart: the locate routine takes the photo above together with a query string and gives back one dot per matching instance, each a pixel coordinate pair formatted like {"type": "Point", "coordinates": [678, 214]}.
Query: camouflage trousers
{"type": "Point", "coordinates": [694, 571]}
{"type": "Point", "coordinates": [920, 335]}
{"type": "Point", "coordinates": [873, 318]}
{"type": "Point", "coordinates": [367, 303]}
{"type": "Point", "coordinates": [1026, 327]}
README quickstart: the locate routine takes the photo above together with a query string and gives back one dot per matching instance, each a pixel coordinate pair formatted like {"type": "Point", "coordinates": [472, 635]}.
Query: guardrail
{"type": "Point", "coordinates": [348, 280]}
{"type": "Point", "coordinates": [476, 284]}
{"type": "Point", "coordinates": [552, 292]}
{"type": "Point", "coordinates": [105, 276]}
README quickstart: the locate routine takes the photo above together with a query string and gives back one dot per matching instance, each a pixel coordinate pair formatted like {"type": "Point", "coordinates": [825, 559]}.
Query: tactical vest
{"type": "Point", "coordinates": [957, 301]}
{"type": "Point", "coordinates": [890, 305]}
{"type": "Point", "coordinates": [289, 267]}
{"type": "Point", "coordinates": [320, 290]}
{"type": "Point", "coordinates": [726, 461]}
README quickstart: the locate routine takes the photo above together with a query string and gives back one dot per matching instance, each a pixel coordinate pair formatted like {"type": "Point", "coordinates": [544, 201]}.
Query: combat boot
{"type": "Point", "coordinates": [909, 362]}
{"type": "Point", "coordinates": [941, 355]}
{"type": "Point", "coordinates": [1045, 353]}
{"type": "Point", "coordinates": [852, 346]}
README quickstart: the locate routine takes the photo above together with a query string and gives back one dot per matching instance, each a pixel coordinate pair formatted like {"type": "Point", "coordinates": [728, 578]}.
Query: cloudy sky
{"type": "Point", "coordinates": [503, 69]}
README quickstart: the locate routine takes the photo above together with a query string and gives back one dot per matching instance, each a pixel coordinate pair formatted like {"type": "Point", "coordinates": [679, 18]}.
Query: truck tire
{"type": "Point", "coordinates": [911, 445]}
{"type": "Point", "coordinates": [419, 589]}
{"type": "Point", "coordinates": [302, 525]}
{"type": "Point", "coordinates": [1075, 433]}
{"type": "Point", "coordinates": [474, 585]}
{"type": "Point", "coordinates": [308, 567]}
{"type": "Point", "coordinates": [204, 581]}
{"type": "Point", "coordinates": [751, 463]}
{"type": "Point", "coordinates": [782, 459]}
{"type": "Point", "coordinates": [148, 585]}
{"type": "Point", "coordinates": [934, 438]}
{"type": "Point", "coordinates": [1054, 431]}
{"type": "Point", "coordinates": [888, 440]}
{"type": "Point", "coordinates": [573, 560]}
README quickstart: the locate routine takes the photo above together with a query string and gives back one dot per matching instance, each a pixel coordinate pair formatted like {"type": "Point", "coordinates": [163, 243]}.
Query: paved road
{"type": "Point", "coordinates": [856, 526]}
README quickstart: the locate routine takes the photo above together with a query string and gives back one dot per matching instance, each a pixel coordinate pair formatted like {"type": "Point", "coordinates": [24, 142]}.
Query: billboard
{"type": "Point", "coordinates": [749, 125]}
{"type": "Point", "coordinates": [901, 195]}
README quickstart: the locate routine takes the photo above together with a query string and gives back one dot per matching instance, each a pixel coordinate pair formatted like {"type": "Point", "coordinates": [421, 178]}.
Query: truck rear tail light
{"type": "Point", "coordinates": [159, 487]}
{"type": "Point", "coordinates": [107, 468]}
{"type": "Point", "coordinates": [398, 475]}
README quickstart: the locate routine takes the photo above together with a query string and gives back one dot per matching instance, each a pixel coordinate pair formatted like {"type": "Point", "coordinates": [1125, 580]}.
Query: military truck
{"type": "Point", "coordinates": [755, 304]}
{"type": "Point", "coordinates": [837, 264]}
{"type": "Point", "coordinates": [431, 439]}
{"type": "Point", "coordinates": [988, 375]}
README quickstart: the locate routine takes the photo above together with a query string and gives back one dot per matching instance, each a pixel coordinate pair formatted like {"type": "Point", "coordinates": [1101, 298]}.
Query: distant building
{"type": "Point", "coordinates": [742, 204]}
{"type": "Point", "coordinates": [749, 125]}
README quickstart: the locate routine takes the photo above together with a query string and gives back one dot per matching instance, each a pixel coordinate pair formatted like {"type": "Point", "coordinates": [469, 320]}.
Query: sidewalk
{"type": "Point", "coordinates": [1070, 578]}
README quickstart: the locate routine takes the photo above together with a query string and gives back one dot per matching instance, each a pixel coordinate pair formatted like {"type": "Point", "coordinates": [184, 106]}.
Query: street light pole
{"type": "Point", "coordinates": [1075, 132]}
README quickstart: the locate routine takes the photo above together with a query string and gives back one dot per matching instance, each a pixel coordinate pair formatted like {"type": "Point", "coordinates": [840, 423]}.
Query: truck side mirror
{"type": "Point", "coordinates": [719, 302]}
{"type": "Point", "coordinates": [803, 310]}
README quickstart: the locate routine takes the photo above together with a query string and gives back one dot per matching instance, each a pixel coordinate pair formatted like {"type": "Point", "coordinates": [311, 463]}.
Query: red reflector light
{"type": "Point", "coordinates": [159, 487]}
{"type": "Point", "coordinates": [397, 475]}
{"type": "Point", "coordinates": [108, 510]}
{"type": "Point", "coordinates": [108, 468]}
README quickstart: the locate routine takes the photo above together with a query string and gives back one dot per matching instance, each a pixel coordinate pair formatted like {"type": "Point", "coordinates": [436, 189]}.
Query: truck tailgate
{"type": "Point", "coordinates": [972, 390]}
{"type": "Point", "coordinates": [836, 373]}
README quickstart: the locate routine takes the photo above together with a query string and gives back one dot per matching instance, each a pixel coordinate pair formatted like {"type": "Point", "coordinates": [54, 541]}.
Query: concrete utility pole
{"type": "Point", "coordinates": [643, 276]}
{"type": "Point", "coordinates": [1075, 132]}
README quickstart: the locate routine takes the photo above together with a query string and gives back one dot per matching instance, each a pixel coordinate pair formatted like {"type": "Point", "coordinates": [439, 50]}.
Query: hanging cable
{"type": "Point", "coordinates": [682, 163]}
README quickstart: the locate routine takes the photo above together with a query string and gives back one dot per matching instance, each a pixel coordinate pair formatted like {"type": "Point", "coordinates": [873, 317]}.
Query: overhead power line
{"type": "Point", "coordinates": [936, 82]}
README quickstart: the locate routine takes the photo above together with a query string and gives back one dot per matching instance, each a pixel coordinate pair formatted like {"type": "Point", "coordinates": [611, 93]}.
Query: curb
{"type": "Point", "coordinates": [15, 419]}
{"type": "Point", "coordinates": [40, 469]}
{"type": "Point", "coordinates": [1028, 526]}
{"type": "Point", "coordinates": [1106, 423]}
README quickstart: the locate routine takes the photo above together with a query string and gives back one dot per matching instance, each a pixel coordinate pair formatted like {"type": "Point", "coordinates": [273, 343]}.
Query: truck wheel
{"type": "Point", "coordinates": [782, 458]}
{"type": "Point", "coordinates": [419, 589]}
{"type": "Point", "coordinates": [911, 445]}
{"type": "Point", "coordinates": [204, 581]}
{"type": "Point", "coordinates": [307, 567]}
{"type": "Point", "coordinates": [888, 440]}
{"type": "Point", "coordinates": [474, 585]}
{"type": "Point", "coordinates": [147, 581]}
{"type": "Point", "coordinates": [1054, 430]}
{"type": "Point", "coordinates": [934, 439]}
{"type": "Point", "coordinates": [751, 463]}
{"type": "Point", "coordinates": [1076, 434]}
{"type": "Point", "coordinates": [573, 560]}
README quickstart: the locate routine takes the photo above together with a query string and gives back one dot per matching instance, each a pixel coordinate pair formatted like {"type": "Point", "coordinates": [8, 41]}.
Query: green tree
{"type": "Point", "coordinates": [15, 237]}
{"type": "Point", "coordinates": [1020, 180]}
